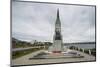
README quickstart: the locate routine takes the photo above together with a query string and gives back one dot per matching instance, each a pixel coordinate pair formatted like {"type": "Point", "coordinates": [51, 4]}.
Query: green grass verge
{"type": "Point", "coordinates": [18, 54]}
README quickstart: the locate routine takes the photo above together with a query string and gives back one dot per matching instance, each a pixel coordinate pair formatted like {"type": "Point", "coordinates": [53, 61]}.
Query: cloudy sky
{"type": "Point", "coordinates": [36, 21]}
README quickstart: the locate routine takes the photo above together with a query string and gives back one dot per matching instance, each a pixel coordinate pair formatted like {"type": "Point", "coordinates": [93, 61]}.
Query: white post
{"type": "Point", "coordinates": [89, 52]}
{"type": "Point", "coordinates": [78, 49]}
{"type": "Point", "coordinates": [83, 50]}
{"type": "Point", "coordinates": [44, 47]}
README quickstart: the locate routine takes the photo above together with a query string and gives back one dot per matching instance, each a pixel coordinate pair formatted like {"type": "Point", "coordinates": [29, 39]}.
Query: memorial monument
{"type": "Point", "coordinates": [57, 49]}
{"type": "Point", "coordinates": [57, 39]}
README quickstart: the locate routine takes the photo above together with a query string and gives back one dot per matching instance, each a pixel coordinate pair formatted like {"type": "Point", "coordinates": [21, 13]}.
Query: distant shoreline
{"type": "Point", "coordinates": [81, 43]}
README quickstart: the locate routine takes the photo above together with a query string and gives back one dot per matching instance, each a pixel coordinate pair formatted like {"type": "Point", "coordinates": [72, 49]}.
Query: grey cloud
{"type": "Point", "coordinates": [36, 21]}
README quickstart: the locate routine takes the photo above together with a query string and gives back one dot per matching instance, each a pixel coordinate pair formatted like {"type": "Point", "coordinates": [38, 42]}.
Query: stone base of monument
{"type": "Point", "coordinates": [56, 51]}
{"type": "Point", "coordinates": [56, 55]}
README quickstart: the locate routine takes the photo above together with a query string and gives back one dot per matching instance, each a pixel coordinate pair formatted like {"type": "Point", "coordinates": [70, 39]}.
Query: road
{"type": "Point", "coordinates": [24, 60]}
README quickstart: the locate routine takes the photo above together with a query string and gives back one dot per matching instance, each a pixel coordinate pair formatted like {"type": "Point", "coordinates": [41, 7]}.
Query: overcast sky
{"type": "Point", "coordinates": [36, 21]}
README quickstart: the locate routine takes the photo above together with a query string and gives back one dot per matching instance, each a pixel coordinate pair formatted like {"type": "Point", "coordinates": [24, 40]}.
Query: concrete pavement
{"type": "Point", "coordinates": [24, 60]}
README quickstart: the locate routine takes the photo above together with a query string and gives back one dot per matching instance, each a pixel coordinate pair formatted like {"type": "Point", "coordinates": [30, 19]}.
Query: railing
{"type": "Point", "coordinates": [87, 51]}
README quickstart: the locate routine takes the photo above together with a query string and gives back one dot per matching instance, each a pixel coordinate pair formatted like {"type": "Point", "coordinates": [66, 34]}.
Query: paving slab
{"type": "Point", "coordinates": [24, 60]}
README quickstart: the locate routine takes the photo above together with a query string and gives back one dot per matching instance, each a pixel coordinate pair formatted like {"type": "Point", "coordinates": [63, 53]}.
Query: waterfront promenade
{"type": "Point", "coordinates": [24, 60]}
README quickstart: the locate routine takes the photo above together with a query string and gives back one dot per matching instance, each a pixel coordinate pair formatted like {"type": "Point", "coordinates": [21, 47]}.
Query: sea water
{"type": "Point", "coordinates": [85, 46]}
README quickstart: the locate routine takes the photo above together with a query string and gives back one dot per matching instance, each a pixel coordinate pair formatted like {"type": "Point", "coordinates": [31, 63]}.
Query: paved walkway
{"type": "Point", "coordinates": [24, 60]}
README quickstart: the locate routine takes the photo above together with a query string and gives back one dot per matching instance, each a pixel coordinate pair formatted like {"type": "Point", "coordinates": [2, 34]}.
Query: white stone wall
{"type": "Point", "coordinates": [57, 46]}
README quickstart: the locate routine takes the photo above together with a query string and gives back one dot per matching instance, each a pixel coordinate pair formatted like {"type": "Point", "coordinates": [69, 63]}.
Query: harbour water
{"type": "Point", "coordinates": [85, 46]}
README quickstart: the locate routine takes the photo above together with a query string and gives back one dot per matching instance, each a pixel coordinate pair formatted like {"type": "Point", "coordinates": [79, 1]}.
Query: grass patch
{"type": "Point", "coordinates": [86, 51]}
{"type": "Point", "coordinates": [81, 50]}
{"type": "Point", "coordinates": [18, 54]}
{"type": "Point", "coordinates": [93, 52]}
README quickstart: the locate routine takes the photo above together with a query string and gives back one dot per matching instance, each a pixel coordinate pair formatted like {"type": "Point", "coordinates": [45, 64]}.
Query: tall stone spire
{"type": "Point", "coordinates": [58, 27]}
{"type": "Point", "coordinates": [57, 39]}
{"type": "Point", "coordinates": [58, 13]}
{"type": "Point", "coordinates": [58, 18]}
{"type": "Point", "coordinates": [57, 46]}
